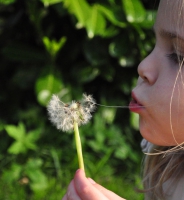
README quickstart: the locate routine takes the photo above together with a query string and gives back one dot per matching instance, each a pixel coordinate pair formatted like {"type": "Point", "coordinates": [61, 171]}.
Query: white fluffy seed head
{"type": "Point", "coordinates": [63, 115]}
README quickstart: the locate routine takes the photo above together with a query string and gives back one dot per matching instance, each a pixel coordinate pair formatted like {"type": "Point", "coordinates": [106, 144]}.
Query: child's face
{"type": "Point", "coordinates": [160, 87]}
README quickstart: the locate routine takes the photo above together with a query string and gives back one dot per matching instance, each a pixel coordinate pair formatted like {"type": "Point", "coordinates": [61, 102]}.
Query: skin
{"type": "Point", "coordinates": [82, 188]}
{"type": "Point", "coordinates": [160, 87]}
{"type": "Point", "coordinates": [160, 90]}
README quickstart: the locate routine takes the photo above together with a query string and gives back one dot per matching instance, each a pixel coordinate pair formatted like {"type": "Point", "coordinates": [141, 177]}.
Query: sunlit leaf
{"type": "Point", "coordinates": [50, 2]}
{"type": "Point", "coordinates": [110, 15]}
{"type": "Point", "coordinates": [134, 10]}
{"type": "Point", "coordinates": [17, 148]}
{"type": "Point", "coordinates": [149, 19]}
{"type": "Point", "coordinates": [53, 46]}
{"type": "Point", "coordinates": [16, 132]}
{"type": "Point", "coordinates": [81, 9]}
{"type": "Point", "coordinates": [96, 23]}
{"type": "Point", "coordinates": [34, 135]}
{"type": "Point", "coordinates": [93, 18]}
{"type": "Point", "coordinates": [23, 141]}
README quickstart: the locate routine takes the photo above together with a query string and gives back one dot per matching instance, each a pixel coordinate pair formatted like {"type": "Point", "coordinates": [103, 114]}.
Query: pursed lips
{"type": "Point", "coordinates": [135, 105]}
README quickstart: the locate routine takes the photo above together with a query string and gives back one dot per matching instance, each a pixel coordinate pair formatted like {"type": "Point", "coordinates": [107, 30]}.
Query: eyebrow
{"type": "Point", "coordinates": [168, 34]}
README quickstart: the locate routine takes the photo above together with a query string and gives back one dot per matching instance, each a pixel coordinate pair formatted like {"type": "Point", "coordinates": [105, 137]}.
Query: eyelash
{"type": "Point", "coordinates": [176, 58]}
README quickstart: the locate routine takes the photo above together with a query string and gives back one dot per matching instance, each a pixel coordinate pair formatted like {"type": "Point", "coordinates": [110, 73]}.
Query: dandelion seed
{"type": "Point", "coordinates": [69, 116]}
{"type": "Point", "coordinates": [63, 115]}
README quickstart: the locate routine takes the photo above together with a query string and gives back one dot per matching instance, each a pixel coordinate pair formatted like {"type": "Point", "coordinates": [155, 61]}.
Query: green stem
{"type": "Point", "coordinates": [78, 146]}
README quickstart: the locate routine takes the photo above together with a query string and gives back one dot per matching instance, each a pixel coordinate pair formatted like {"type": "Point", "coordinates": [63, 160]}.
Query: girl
{"type": "Point", "coordinates": [158, 98]}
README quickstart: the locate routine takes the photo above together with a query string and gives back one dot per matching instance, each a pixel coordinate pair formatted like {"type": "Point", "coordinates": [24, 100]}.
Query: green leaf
{"type": "Point", "coordinates": [149, 19]}
{"type": "Point", "coordinates": [94, 145]}
{"type": "Point", "coordinates": [122, 152]}
{"type": "Point", "coordinates": [16, 132]}
{"type": "Point", "coordinates": [29, 145]}
{"type": "Point", "coordinates": [53, 46]}
{"type": "Point", "coordinates": [50, 2]}
{"type": "Point", "coordinates": [109, 114]}
{"type": "Point", "coordinates": [33, 171]}
{"type": "Point", "coordinates": [12, 174]}
{"type": "Point", "coordinates": [81, 9]}
{"type": "Point", "coordinates": [110, 15]}
{"type": "Point", "coordinates": [134, 119]}
{"type": "Point", "coordinates": [31, 138]}
{"type": "Point", "coordinates": [135, 12]}
{"type": "Point", "coordinates": [17, 147]}
{"type": "Point", "coordinates": [46, 86]}
{"type": "Point", "coordinates": [41, 182]}
{"type": "Point", "coordinates": [92, 17]}
{"type": "Point", "coordinates": [104, 160]}
{"type": "Point", "coordinates": [96, 23]}
{"type": "Point", "coordinates": [6, 2]}
{"type": "Point", "coordinates": [23, 141]}
{"type": "Point", "coordinates": [34, 135]}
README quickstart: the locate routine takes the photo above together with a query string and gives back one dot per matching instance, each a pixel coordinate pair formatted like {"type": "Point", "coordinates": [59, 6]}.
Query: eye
{"type": "Point", "coordinates": [179, 59]}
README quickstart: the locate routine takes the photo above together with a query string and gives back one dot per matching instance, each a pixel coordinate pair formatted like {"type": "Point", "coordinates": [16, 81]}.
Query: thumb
{"type": "Point", "coordinates": [85, 189]}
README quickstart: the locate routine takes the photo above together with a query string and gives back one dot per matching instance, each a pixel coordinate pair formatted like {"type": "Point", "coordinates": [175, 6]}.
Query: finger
{"type": "Point", "coordinates": [71, 192]}
{"type": "Point", "coordinates": [85, 189]}
{"type": "Point", "coordinates": [109, 194]}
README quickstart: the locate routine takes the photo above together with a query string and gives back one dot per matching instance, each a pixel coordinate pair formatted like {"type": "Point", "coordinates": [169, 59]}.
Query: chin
{"type": "Point", "coordinates": [152, 138]}
{"type": "Point", "coordinates": [158, 141]}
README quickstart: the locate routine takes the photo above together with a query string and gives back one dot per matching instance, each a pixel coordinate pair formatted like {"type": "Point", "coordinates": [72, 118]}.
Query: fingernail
{"type": "Point", "coordinates": [91, 181]}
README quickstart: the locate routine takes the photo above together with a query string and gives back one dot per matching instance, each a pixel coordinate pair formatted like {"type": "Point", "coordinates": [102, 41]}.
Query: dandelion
{"type": "Point", "coordinates": [69, 116]}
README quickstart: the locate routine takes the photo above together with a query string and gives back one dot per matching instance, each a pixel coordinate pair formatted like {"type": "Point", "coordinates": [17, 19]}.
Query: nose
{"type": "Point", "coordinates": [147, 69]}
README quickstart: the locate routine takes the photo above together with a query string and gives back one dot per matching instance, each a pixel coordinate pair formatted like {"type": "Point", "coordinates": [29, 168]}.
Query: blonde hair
{"type": "Point", "coordinates": [162, 171]}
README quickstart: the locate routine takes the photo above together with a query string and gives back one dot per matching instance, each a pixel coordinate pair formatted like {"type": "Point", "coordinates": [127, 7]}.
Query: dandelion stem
{"type": "Point", "coordinates": [78, 146]}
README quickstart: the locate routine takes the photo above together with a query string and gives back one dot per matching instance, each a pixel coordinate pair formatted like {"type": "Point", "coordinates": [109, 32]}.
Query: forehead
{"type": "Point", "coordinates": [170, 16]}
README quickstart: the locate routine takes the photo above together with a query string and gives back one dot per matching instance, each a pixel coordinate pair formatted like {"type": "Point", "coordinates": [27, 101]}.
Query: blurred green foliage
{"type": "Point", "coordinates": [68, 47]}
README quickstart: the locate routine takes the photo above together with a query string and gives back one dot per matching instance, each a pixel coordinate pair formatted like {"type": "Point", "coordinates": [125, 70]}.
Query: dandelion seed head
{"type": "Point", "coordinates": [63, 115]}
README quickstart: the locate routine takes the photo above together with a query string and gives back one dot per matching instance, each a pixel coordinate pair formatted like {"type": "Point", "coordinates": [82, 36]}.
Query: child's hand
{"type": "Point", "coordinates": [82, 188]}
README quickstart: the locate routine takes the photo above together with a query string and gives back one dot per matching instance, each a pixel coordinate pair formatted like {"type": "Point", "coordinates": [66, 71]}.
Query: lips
{"type": "Point", "coordinates": [135, 105]}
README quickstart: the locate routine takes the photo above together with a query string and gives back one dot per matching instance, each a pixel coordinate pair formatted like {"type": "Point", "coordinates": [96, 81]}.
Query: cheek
{"type": "Point", "coordinates": [156, 129]}
{"type": "Point", "coordinates": [177, 116]}
{"type": "Point", "coordinates": [162, 123]}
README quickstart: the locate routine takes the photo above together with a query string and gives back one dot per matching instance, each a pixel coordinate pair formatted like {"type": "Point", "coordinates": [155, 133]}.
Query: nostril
{"type": "Point", "coordinates": [145, 78]}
